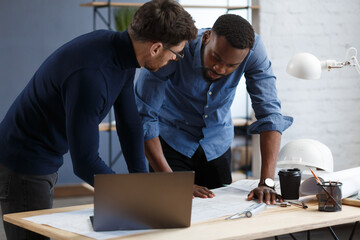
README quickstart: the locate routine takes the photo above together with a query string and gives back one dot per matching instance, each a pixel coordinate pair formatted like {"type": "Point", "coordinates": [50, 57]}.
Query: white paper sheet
{"type": "Point", "coordinates": [78, 222]}
{"type": "Point", "coordinates": [249, 184]}
{"type": "Point", "coordinates": [245, 184]}
{"type": "Point", "coordinates": [228, 201]}
{"type": "Point", "coordinates": [350, 179]}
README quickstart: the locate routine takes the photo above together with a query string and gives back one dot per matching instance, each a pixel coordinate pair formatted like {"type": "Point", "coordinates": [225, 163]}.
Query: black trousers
{"type": "Point", "coordinates": [212, 174]}
{"type": "Point", "coordinates": [19, 193]}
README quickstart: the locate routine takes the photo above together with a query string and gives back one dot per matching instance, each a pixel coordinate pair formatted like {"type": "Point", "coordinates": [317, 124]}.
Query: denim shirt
{"type": "Point", "coordinates": [187, 111]}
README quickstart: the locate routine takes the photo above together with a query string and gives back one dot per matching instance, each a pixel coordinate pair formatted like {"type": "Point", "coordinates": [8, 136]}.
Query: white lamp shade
{"type": "Point", "coordinates": [305, 66]}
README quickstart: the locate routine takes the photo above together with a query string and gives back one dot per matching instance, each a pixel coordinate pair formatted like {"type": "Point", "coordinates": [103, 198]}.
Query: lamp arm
{"type": "Point", "coordinates": [356, 64]}
{"type": "Point", "coordinates": [353, 60]}
{"type": "Point", "coordinates": [329, 64]}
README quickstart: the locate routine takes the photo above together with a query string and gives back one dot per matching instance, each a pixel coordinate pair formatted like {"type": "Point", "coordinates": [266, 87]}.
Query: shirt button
{"type": "Point", "coordinates": [210, 93]}
{"type": "Point", "coordinates": [206, 116]}
{"type": "Point", "coordinates": [207, 106]}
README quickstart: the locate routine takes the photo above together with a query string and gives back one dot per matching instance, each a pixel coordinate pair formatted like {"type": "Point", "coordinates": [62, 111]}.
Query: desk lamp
{"type": "Point", "coordinates": [307, 66]}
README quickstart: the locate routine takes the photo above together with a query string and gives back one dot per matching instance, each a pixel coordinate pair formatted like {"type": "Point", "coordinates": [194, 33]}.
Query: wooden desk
{"type": "Point", "coordinates": [272, 222]}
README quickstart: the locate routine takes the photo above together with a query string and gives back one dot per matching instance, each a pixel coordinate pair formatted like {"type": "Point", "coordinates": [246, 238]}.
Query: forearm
{"type": "Point", "coordinates": [269, 147]}
{"type": "Point", "coordinates": [155, 155]}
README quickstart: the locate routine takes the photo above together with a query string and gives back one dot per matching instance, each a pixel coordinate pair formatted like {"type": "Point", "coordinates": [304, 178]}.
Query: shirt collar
{"type": "Point", "coordinates": [196, 49]}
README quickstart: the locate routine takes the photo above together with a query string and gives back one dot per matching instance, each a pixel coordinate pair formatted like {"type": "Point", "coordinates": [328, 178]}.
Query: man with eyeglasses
{"type": "Point", "coordinates": [179, 55]}
{"type": "Point", "coordinates": [70, 94]}
{"type": "Point", "coordinates": [185, 107]}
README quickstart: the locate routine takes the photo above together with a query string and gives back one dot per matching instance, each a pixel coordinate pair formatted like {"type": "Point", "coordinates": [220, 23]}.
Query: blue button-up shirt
{"type": "Point", "coordinates": [187, 111]}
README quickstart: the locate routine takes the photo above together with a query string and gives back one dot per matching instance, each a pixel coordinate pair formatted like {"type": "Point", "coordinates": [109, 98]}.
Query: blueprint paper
{"type": "Point", "coordinates": [228, 201]}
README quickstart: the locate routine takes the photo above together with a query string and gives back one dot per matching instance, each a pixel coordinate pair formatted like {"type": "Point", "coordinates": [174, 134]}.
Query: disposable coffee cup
{"type": "Point", "coordinates": [329, 196]}
{"type": "Point", "coordinates": [289, 183]}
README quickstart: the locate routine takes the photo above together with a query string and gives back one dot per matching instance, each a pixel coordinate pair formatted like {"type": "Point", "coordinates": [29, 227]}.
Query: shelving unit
{"type": "Point", "coordinates": [96, 5]}
{"type": "Point", "coordinates": [121, 4]}
{"type": "Point", "coordinates": [239, 124]}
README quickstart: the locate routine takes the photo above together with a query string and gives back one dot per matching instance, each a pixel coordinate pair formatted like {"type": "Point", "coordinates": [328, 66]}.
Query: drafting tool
{"type": "Point", "coordinates": [249, 212]}
{"type": "Point", "coordinates": [283, 204]}
{"type": "Point", "coordinates": [300, 203]}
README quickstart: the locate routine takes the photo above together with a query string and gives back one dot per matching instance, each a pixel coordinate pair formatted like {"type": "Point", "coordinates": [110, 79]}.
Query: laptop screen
{"type": "Point", "coordinates": [142, 201]}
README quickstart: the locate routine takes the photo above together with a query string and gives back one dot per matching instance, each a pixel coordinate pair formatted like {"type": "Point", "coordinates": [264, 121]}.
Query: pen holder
{"type": "Point", "coordinates": [329, 196]}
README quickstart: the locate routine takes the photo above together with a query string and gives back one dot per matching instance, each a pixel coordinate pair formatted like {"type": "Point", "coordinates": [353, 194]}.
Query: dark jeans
{"type": "Point", "coordinates": [212, 174]}
{"type": "Point", "coordinates": [19, 193]}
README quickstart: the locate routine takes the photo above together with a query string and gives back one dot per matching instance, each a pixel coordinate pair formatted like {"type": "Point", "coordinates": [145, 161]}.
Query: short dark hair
{"type": "Point", "coordinates": [163, 21]}
{"type": "Point", "coordinates": [236, 30]}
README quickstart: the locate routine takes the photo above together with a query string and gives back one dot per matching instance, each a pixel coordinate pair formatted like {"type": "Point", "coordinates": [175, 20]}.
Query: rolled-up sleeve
{"type": "Point", "coordinates": [273, 122]}
{"type": "Point", "coordinates": [261, 86]}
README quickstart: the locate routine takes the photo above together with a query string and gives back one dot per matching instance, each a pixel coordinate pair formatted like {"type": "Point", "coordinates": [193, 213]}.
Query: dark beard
{"type": "Point", "coordinates": [207, 78]}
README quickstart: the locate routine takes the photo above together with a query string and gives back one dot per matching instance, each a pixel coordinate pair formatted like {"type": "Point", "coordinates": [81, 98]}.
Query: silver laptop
{"type": "Point", "coordinates": [142, 201]}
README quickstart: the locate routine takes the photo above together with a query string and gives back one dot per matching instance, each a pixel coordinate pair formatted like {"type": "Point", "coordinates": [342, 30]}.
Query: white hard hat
{"type": "Point", "coordinates": [304, 153]}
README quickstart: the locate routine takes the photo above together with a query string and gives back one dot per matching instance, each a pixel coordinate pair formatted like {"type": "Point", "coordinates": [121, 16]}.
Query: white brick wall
{"type": "Point", "coordinates": [328, 109]}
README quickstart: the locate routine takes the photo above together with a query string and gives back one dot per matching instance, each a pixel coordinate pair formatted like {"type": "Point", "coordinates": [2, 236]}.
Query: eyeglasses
{"type": "Point", "coordinates": [179, 55]}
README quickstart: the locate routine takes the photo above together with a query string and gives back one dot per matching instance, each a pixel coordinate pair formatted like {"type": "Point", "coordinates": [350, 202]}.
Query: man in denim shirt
{"type": "Point", "coordinates": [70, 94]}
{"type": "Point", "coordinates": [185, 107]}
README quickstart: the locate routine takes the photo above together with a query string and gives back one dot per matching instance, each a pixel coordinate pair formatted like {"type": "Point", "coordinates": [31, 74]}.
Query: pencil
{"type": "Point", "coordinates": [323, 188]}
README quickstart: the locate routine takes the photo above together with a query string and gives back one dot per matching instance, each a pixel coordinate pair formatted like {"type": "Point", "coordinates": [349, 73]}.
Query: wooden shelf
{"type": "Point", "coordinates": [241, 122]}
{"type": "Point", "coordinates": [123, 4]}
{"type": "Point", "coordinates": [105, 127]}
{"type": "Point", "coordinates": [105, 4]}
{"type": "Point", "coordinates": [238, 122]}
{"type": "Point", "coordinates": [73, 190]}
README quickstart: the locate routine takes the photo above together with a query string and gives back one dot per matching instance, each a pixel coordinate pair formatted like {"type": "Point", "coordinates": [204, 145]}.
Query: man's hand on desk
{"type": "Point", "coordinates": [202, 192]}
{"type": "Point", "coordinates": [264, 194]}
